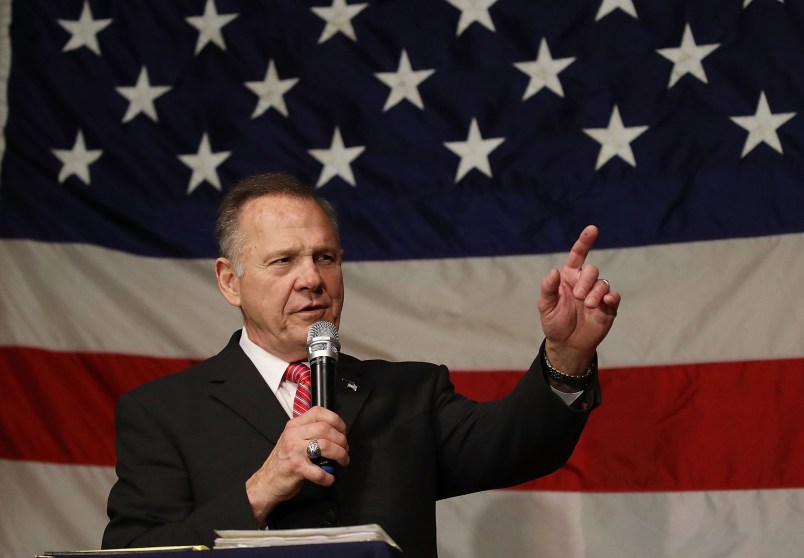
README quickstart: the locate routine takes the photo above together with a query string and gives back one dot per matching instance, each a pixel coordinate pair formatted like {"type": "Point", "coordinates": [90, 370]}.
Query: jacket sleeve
{"type": "Point", "coordinates": [528, 434]}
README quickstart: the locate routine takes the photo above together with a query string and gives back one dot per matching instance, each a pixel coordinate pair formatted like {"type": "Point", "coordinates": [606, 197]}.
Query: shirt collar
{"type": "Point", "coordinates": [270, 367]}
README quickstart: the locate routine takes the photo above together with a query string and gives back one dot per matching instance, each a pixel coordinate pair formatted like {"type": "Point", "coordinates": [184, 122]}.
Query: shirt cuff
{"type": "Point", "coordinates": [568, 398]}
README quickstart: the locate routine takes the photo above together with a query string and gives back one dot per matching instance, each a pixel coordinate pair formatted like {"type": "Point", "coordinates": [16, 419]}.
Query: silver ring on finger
{"type": "Point", "coordinates": [313, 451]}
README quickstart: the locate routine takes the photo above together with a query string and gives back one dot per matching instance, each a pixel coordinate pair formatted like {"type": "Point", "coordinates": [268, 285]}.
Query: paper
{"type": "Point", "coordinates": [284, 537]}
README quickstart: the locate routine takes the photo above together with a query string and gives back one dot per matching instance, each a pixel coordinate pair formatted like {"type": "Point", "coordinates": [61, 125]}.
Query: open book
{"type": "Point", "coordinates": [283, 537]}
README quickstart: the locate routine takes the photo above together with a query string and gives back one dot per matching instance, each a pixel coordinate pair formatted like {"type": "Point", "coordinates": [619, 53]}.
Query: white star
{"type": "Point", "coordinates": [404, 83]}
{"type": "Point", "coordinates": [608, 6]}
{"type": "Point", "coordinates": [209, 26]}
{"type": "Point", "coordinates": [474, 11]}
{"type": "Point", "coordinates": [204, 164]}
{"type": "Point", "coordinates": [339, 18]}
{"type": "Point", "coordinates": [336, 160]}
{"type": "Point", "coordinates": [543, 71]}
{"type": "Point", "coordinates": [474, 152]}
{"type": "Point", "coordinates": [762, 126]}
{"type": "Point", "coordinates": [271, 91]}
{"type": "Point", "coordinates": [615, 141]}
{"type": "Point", "coordinates": [141, 97]}
{"type": "Point", "coordinates": [77, 160]}
{"type": "Point", "coordinates": [84, 30]}
{"type": "Point", "coordinates": [687, 58]}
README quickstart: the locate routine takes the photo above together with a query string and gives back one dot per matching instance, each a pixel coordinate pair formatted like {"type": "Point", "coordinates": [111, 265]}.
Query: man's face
{"type": "Point", "coordinates": [292, 275]}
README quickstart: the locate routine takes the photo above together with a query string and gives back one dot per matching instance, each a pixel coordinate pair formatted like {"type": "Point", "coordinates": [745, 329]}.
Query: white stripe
{"type": "Point", "coordinates": [699, 302]}
{"type": "Point", "coordinates": [86, 298]}
{"type": "Point", "coordinates": [737, 524]}
{"type": "Point", "coordinates": [59, 507]}
{"type": "Point", "coordinates": [52, 507]}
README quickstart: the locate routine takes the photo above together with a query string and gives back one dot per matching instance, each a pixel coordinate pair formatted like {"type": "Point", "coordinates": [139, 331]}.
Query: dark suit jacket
{"type": "Point", "coordinates": [186, 444]}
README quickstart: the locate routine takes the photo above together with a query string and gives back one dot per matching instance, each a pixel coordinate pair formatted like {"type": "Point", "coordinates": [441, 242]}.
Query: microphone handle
{"type": "Point", "coordinates": [321, 380]}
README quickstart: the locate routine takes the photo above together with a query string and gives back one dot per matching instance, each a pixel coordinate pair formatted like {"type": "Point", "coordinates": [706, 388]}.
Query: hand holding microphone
{"type": "Point", "coordinates": [323, 349]}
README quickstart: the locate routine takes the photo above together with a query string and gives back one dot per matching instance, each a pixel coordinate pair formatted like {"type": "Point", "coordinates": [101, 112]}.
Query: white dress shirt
{"type": "Point", "coordinates": [272, 369]}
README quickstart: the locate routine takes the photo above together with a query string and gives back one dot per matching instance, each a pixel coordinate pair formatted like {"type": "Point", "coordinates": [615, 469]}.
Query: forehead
{"type": "Point", "coordinates": [280, 215]}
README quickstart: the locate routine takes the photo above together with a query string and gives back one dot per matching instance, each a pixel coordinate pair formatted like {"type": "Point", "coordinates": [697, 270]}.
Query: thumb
{"type": "Point", "coordinates": [548, 297]}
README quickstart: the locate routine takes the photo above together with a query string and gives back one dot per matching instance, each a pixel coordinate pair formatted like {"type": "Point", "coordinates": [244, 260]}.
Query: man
{"type": "Point", "coordinates": [212, 447]}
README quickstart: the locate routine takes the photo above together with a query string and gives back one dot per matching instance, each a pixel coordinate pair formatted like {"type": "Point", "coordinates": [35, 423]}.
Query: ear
{"type": "Point", "coordinates": [228, 281]}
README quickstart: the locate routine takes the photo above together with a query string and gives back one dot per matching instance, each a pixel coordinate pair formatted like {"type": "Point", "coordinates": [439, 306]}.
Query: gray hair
{"type": "Point", "coordinates": [227, 229]}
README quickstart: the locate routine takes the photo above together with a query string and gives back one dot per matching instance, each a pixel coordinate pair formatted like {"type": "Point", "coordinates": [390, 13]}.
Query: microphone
{"type": "Point", "coordinates": [323, 349]}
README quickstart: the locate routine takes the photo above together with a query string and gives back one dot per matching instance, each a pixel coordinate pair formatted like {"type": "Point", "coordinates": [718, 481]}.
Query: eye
{"type": "Point", "coordinates": [280, 261]}
{"type": "Point", "coordinates": [325, 258]}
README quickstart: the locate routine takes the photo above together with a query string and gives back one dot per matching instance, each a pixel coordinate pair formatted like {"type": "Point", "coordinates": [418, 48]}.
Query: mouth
{"type": "Point", "coordinates": [313, 311]}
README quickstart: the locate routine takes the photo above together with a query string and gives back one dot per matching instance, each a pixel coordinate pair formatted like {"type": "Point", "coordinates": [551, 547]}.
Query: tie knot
{"type": "Point", "coordinates": [298, 372]}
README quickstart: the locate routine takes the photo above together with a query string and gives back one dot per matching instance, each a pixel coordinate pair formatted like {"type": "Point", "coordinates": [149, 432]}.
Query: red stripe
{"type": "Point", "coordinates": [59, 407]}
{"type": "Point", "coordinates": [692, 427]}
{"type": "Point", "coordinates": [688, 427]}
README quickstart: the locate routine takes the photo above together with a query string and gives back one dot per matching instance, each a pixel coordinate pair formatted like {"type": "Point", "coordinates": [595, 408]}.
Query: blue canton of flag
{"type": "Point", "coordinates": [437, 128]}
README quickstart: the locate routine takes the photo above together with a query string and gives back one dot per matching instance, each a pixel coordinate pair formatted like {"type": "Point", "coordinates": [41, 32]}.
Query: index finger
{"type": "Point", "coordinates": [581, 248]}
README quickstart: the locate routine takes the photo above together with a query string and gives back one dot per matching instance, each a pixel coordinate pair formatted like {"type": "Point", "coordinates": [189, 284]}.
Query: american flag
{"type": "Point", "coordinates": [465, 144]}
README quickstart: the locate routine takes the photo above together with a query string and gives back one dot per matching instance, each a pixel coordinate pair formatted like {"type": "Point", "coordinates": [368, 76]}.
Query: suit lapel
{"type": "Point", "coordinates": [351, 390]}
{"type": "Point", "coordinates": [238, 385]}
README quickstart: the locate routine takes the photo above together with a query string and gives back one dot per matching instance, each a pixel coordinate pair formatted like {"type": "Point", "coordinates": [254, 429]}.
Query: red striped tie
{"type": "Point", "coordinates": [299, 373]}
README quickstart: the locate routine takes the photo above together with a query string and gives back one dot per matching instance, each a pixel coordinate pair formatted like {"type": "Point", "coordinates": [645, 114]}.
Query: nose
{"type": "Point", "coordinates": [309, 276]}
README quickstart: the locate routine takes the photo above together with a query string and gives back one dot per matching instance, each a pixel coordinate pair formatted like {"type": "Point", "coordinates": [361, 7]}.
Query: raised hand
{"type": "Point", "coordinates": [577, 308]}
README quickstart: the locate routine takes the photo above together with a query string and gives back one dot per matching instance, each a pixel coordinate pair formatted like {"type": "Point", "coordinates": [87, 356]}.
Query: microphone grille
{"type": "Point", "coordinates": [323, 329]}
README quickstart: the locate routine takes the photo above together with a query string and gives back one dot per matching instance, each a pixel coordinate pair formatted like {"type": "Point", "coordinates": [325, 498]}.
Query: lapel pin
{"type": "Point", "coordinates": [351, 385]}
